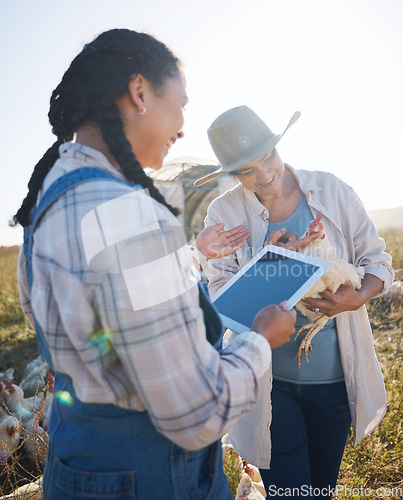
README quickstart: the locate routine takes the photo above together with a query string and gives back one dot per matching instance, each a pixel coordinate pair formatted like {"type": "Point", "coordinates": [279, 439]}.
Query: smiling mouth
{"type": "Point", "coordinates": [264, 184]}
{"type": "Point", "coordinates": [170, 142]}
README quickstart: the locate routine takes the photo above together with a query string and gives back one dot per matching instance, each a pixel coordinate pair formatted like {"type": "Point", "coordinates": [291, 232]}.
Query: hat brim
{"type": "Point", "coordinates": [257, 153]}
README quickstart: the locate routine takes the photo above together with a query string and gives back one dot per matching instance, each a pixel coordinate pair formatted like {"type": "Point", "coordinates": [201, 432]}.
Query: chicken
{"type": "Point", "coordinates": [47, 404]}
{"type": "Point", "coordinates": [247, 489]}
{"type": "Point", "coordinates": [250, 485]}
{"type": "Point", "coordinates": [340, 272]}
{"type": "Point", "coordinates": [13, 399]}
{"type": "Point", "coordinates": [35, 440]}
{"type": "Point", "coordinates": [9, 436]}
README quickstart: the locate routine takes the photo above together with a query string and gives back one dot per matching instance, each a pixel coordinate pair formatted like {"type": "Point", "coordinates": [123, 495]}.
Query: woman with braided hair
{"type": "Point", "coordinates": [143, 391]}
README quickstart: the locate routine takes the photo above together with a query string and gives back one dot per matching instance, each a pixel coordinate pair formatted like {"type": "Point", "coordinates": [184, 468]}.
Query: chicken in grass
{"type": "Point", "coordinates": [334, 278]}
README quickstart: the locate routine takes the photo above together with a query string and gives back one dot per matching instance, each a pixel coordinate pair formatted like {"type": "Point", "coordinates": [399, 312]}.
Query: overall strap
{"type": "Point", "coordinates": [212, 320]}
{"type": "Point", "coordinates": [65, 183]}
{"type": "Point", "coordinates": [59, 187]}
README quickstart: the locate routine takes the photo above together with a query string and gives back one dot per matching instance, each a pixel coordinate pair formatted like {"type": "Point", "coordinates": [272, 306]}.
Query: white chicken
{"type": "Point", "coordinates": [248, 490]}
{"type": "Point", "coordinates": [9, 436]}
{"type": "Point", "coordinates": [340, 272]}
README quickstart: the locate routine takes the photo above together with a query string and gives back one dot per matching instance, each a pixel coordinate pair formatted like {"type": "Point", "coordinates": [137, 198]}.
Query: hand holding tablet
{"type": "Point", "coordinates": [275, 274]}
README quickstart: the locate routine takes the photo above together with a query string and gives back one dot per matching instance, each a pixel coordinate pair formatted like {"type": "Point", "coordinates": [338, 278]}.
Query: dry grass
{"type": "Point", "coordinates": [18, 344]}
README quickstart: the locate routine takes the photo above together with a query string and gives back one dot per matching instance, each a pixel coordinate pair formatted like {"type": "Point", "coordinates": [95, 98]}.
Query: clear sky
{"type": "Point", "coordinates": [339, 62]}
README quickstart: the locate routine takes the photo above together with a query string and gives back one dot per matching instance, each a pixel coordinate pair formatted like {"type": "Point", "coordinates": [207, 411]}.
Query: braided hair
{"type": "Point", "coordinates": [87, 92]}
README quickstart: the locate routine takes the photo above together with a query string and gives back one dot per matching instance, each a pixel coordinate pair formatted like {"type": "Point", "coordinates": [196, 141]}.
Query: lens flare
{"type": "Point", "coordinates": [102, 339]}
{"type": "Point", "coordinates": [64, 397]}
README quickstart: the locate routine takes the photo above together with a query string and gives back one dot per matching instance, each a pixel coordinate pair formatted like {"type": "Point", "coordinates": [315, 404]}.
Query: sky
{"type": "Point", "coordinates": [339, 62]}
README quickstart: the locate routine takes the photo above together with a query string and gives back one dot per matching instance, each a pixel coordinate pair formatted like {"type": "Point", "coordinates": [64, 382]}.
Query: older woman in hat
{"type": "Point", "coordinates": [310, 408]}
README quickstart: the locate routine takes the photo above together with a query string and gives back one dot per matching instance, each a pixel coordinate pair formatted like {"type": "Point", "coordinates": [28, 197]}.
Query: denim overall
{"type": "Point", "coordinates": [102, 451]}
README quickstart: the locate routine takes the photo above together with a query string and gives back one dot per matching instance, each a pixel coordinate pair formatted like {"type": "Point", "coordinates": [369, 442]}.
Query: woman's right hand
{"type": "Point", "coordinates": [290, 241]}
{"type": "Point", "coordinates": [275, 323]}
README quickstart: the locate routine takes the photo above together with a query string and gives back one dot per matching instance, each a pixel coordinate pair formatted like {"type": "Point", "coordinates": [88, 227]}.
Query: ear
{"type": "Point", "coordinates": [138, 86]}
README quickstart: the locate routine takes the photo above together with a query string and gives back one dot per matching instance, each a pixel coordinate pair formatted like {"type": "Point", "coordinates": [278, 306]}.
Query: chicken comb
{"type": "Point", "coordinates": [9, 387]}
{"type": "Point", "coordinates": [318, 217]}
{"type": "Point", "coordinates": [50, 380]}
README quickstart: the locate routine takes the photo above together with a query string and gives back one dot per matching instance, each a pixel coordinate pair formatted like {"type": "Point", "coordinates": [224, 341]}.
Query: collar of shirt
{"type": "Point", "coordinates": [254, 205]}
{"type": "Point", "coordinates": [76, 154]}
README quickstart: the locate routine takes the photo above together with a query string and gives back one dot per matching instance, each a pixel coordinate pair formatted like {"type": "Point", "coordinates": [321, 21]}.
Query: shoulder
{"type": "Point", "coordinates": [321, 177]}
{"type": "Point", "coordinates": [231, 198]}
{"type": "Point", "coordinates": [325, 184]}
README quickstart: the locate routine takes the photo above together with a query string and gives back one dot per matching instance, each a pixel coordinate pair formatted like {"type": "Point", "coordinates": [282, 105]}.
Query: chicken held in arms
{"type": "Point", "coordinates": [334, 278]}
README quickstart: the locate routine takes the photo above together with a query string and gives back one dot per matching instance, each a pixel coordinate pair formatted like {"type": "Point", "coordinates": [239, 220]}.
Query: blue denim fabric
{"type": "Point", "coordinates": [101, 451]}
{"type": "Point", "coordinates": [309, 429]}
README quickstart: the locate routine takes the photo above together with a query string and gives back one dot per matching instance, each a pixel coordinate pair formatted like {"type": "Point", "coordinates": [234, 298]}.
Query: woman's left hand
{"type": "Point", "coordinates": [346, 298]}
{"type": "Point", "coordinates": [215, 243]}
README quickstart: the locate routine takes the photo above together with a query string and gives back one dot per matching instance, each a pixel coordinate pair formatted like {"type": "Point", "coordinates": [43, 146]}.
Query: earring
{"type": "Point", "coordinates": [143, 111]}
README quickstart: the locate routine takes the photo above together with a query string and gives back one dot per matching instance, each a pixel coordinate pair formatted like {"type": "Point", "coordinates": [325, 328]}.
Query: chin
{"type": "Point", "coordinates": [153, 165]}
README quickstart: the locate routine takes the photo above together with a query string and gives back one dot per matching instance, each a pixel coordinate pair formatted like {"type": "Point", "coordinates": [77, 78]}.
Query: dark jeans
{"type": "Point", "coordinates": [309, 430]}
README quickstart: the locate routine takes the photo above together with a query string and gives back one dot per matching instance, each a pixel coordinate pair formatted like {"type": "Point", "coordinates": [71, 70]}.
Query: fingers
{"type": "Point", "coordinates": [275, 236]}
{"type": "Point", "coordinates": [234, 230]}
{"type": "Point", "coordinates": [293, 313]}
{"type": "Point", "coordinates": [289, 237]}
{"type": "Point", "coordinates": [302, 242]}
{"type": "Point", "coordinates": [218, 227]}
{"type": "Point", "coordinates": [275, 324]}
{"type": "Point", "coordinates": [345, 285]}
{"type": "Point", "coordinates": [240, 241]}
{"type": "Point", "coordinates": [244, 234]}
{"type": "Point", "coordinates": [237, 236]}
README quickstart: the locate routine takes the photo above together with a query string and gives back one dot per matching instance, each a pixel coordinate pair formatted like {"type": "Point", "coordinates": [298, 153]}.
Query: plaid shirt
{"type": "Point", "coordinates": [124, 333]}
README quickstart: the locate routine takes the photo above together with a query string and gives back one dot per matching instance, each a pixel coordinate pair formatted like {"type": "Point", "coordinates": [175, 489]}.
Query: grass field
{"type": "Point", "coordinates": [374, 469]}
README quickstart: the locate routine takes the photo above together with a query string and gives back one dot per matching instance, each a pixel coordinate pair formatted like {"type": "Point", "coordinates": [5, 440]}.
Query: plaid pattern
{"type": "Point", "coordinates": [156, 358]}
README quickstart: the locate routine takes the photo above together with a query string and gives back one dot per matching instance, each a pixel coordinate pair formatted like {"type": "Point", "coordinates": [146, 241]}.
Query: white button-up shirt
{"type": "Point", "coordinates": [353, 236]}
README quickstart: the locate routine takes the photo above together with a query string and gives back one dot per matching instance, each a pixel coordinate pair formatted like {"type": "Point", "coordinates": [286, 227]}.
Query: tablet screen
{"type": "Point", "coordinates": [272, 278]}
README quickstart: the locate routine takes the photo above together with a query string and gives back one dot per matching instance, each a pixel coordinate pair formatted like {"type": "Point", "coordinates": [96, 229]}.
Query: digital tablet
{"type": "Point", "coordinates": [273, 275]}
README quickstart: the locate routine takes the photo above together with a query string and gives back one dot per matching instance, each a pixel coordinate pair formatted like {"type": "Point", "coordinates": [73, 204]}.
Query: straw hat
{"type": "Point", "coordinates": [238, 137]}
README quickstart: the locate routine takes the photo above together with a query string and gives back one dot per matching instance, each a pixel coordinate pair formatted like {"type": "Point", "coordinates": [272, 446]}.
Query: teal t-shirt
{"type": "Point", "coordinates": [324, 365]}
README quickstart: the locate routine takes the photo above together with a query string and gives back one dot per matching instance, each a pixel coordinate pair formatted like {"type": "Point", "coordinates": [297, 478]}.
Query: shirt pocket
{"type": "Point", "coordinates": [67, 483]}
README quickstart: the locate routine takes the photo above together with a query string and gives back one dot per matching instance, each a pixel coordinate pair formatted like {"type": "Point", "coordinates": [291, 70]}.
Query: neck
{"type": "Point", "coordinates": [288, 195]}
{"type": "Point", "coordinates": [90, 135]}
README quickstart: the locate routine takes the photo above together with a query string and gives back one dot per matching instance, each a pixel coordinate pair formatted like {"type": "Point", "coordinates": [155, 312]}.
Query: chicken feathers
{"type": "Point", "coordinates": [340, 272]}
